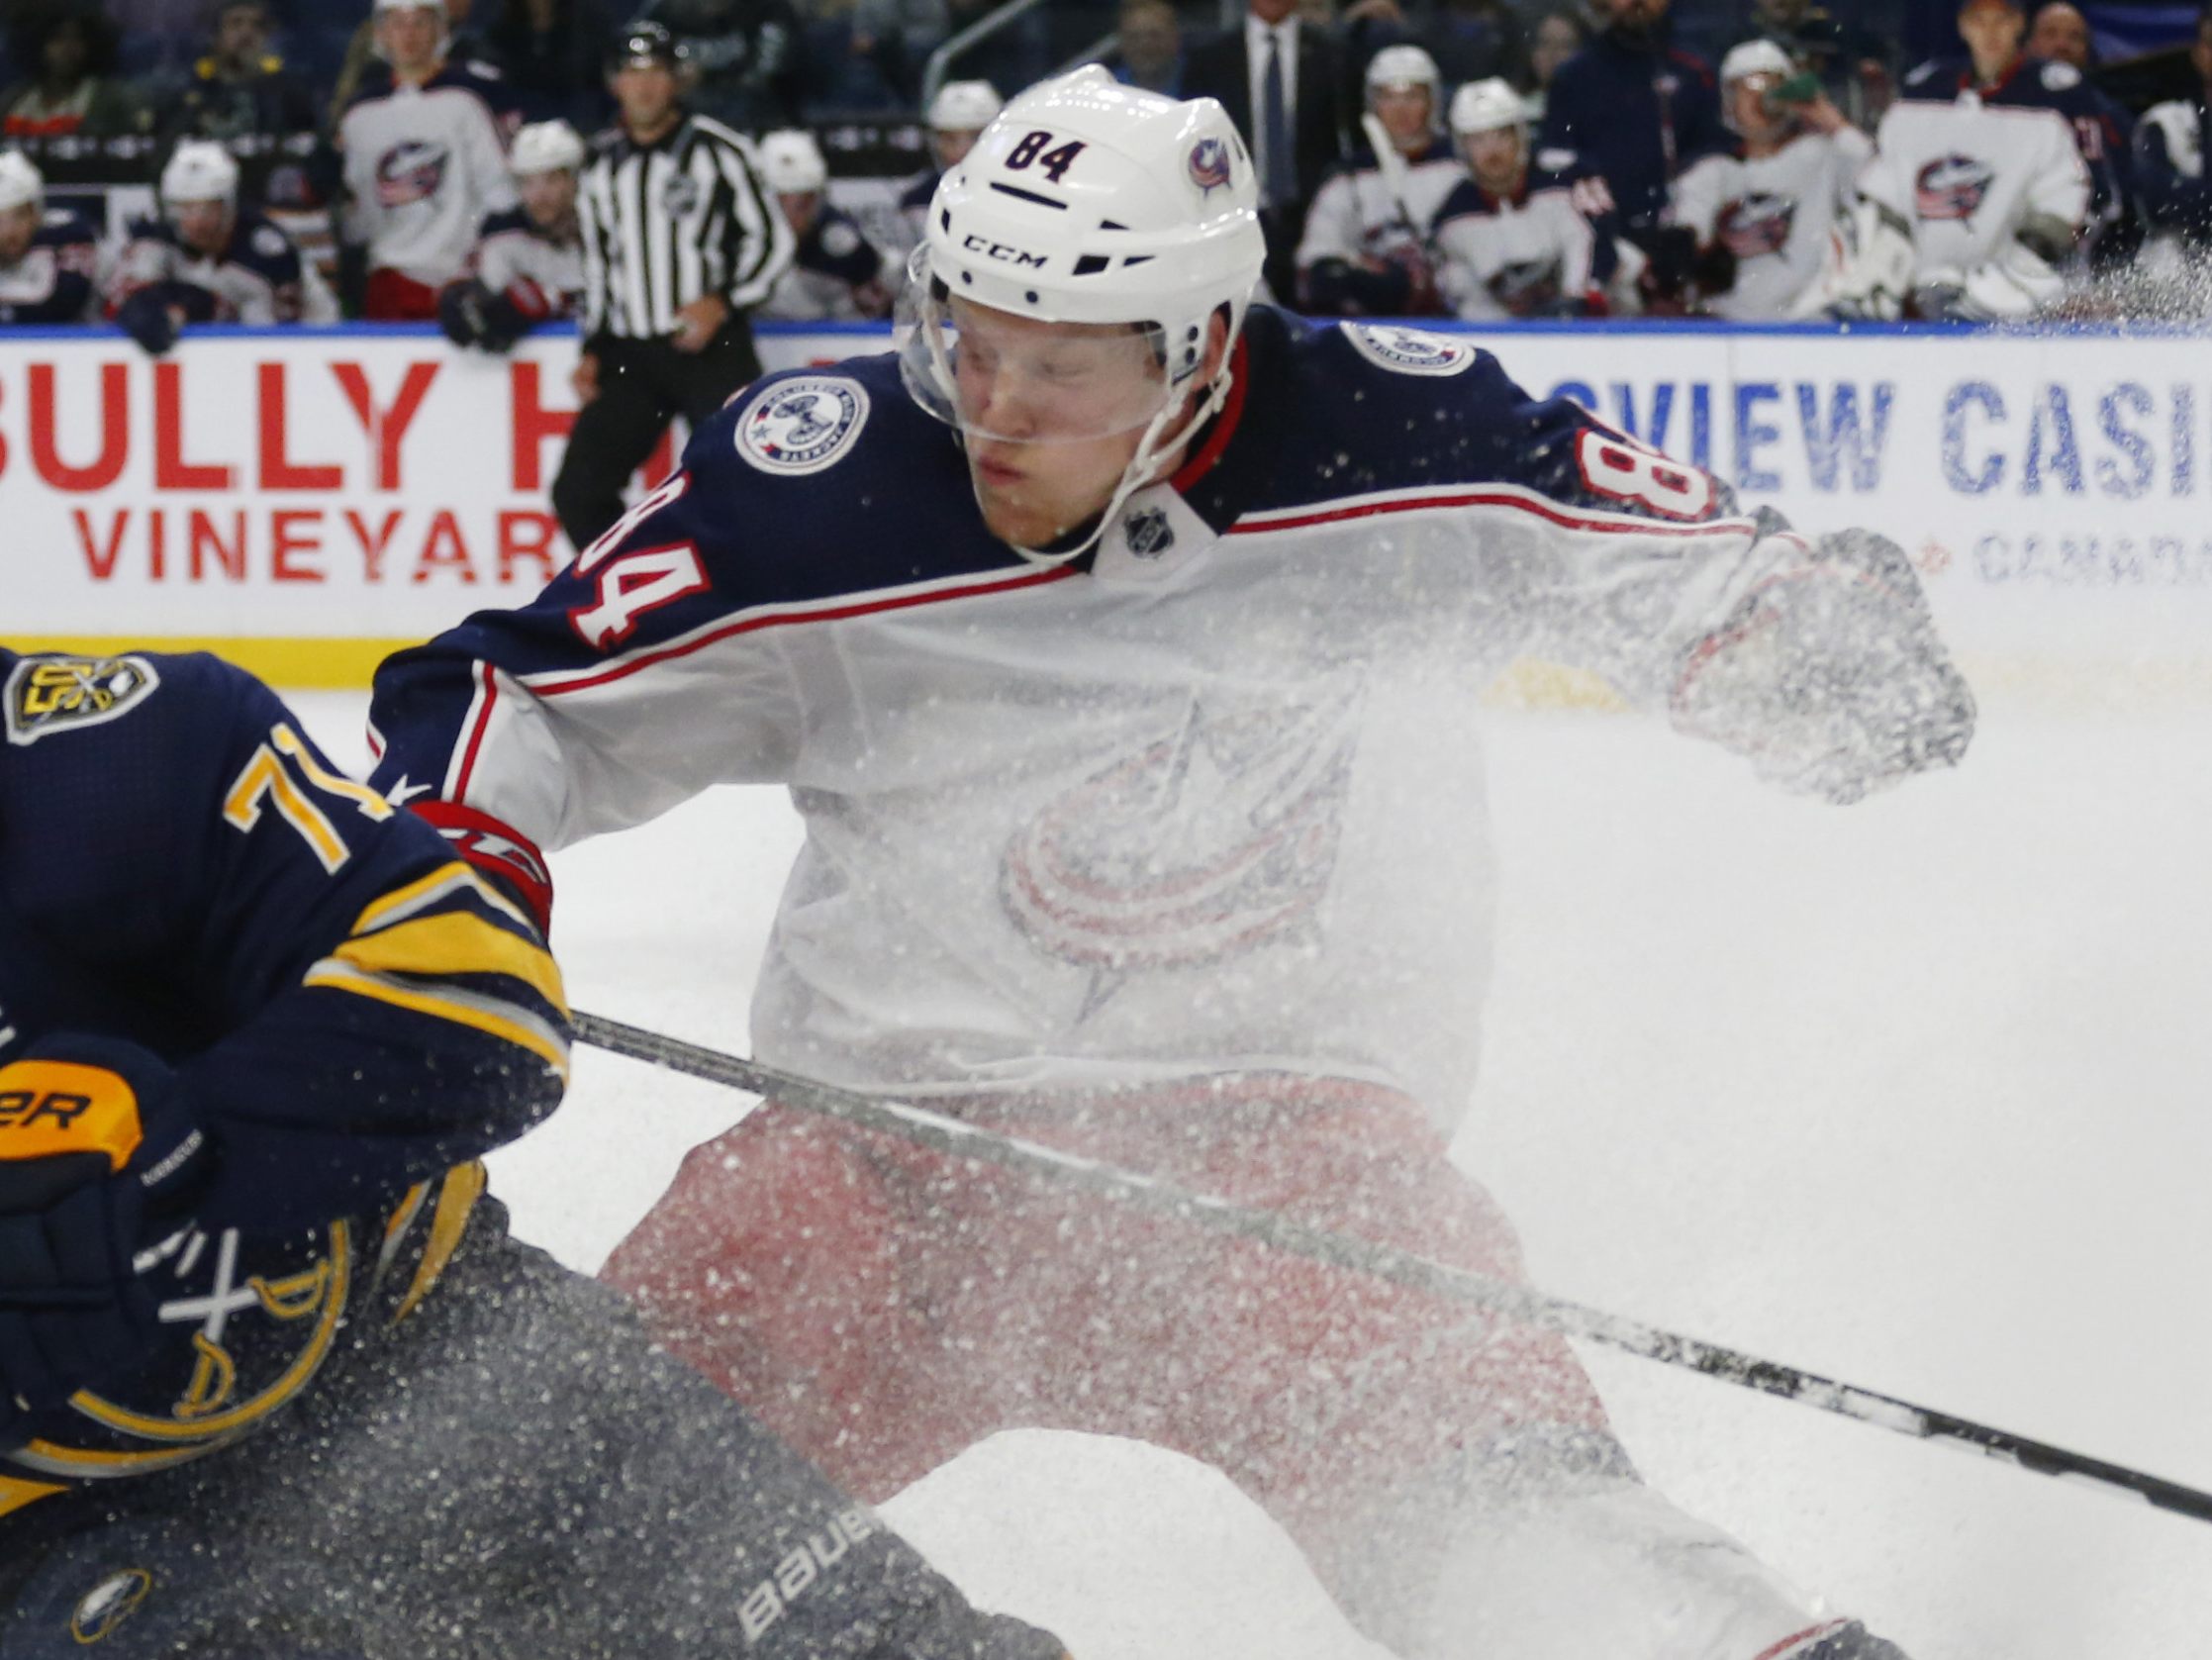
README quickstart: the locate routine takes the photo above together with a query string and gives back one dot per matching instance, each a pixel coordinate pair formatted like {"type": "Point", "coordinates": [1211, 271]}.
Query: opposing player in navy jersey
{"type": "Point", "coordinates": [273, 1381]}
{"type": "Point", "coordinates": [528, 267]}
{"type": "Point", "coordinates": [1120, 642]}
{"type": "Point", "coordinates": [206, 258]}
{"type": "Point", "coordinates": [49, 257]}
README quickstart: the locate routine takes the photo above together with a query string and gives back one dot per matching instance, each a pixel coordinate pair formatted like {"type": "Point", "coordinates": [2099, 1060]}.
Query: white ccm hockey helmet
{"type": "Point", "coordinates": [545, 147]}
{"type": "Point", "coordinates": [1090, 202]}
{"type": "Point", "coordinates": [1405, 65]}
{"type": "Point", "coordinates": [200, 170]}
{"type": "Point", "coordinates": [792, 164]}
{"type": "Point", "coordinates": [1485, 106]}
{"type": "Point", "coordinates": [964, 107]}
{"type": "Point", "coordinates": [21, 182]}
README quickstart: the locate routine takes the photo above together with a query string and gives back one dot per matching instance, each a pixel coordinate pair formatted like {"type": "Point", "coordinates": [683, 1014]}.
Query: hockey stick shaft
{"type": "Point", "coordinates": [947, 1134]}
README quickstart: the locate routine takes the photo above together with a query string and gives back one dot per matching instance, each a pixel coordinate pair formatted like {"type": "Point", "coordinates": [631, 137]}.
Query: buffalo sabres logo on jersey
{"type": "Point", "coordinates": [1758, 224]}
{"type": "Point", "coordinates": [47, 695]}
{"type": "Point", "coordinates": [1409, 350]}
{"type": "Point", "coordinates": [1952, 187]}
{"type": "Point", "coordinates": [802, 425]}
{"type": "Point", "coordinates": [410, 171]}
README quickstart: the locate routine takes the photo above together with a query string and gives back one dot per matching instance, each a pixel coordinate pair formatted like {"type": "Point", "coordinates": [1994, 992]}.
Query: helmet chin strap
{"type": "Point", "coordinates": [1138, 473]}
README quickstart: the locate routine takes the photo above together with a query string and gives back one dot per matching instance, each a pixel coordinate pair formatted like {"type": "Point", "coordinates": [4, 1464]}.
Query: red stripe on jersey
{"type": "Point", "coordinates": [1492, 498]}
{"type": "Point", "coordinates": [831, 614]}
{"type": "Point", "coordinates": [1199, 465]}
{"type": "Point", "coordinates": [476, 731]}
{"type": "Point", "coordinates": [1781, 1649]}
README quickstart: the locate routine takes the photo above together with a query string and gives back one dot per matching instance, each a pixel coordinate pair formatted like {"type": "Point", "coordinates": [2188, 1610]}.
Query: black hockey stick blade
{"type": "Point", "coordinates": [1552, 1314]}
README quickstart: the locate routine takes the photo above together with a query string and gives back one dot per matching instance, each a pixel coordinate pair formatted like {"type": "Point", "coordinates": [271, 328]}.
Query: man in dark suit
{"type": "Point", "coordinates": [1279, 79]}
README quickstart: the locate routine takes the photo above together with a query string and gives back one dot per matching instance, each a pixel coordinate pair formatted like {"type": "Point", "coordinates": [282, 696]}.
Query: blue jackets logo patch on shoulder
{"type": "Point", "coordinates": [1409, 350]}
{"type": "Point", "coordinates": [802, 425]}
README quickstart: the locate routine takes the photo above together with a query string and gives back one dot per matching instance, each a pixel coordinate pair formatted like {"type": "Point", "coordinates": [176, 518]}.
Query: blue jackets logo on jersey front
{"type": "Point", "coordinates": [1409, 350]}
{"type": "Point", "coordinates": [1952, 187]}
{"type": "Point", "coordinates": [802, 425]}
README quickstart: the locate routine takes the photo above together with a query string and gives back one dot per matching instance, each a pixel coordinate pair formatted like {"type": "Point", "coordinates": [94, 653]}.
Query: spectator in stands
{"type": "Point", "coordinates": [1148, 48]}
{"type": "Point", "coordinates": [49, 259]}
{"type": "Point", "coordinates": [1630, 113]}
{"type": "Point", "coordinates": [424, 164]}
{"type": "Point", "coordinates": [1470, 40]}
{"type": "Point", "coordinates": [1978, 196]}
{"type": "Point", "coordinates": [238, 89]}
{"type": "Point", "coordinates": [744, 57]}
{"type": "Point", "coordinates": [1759, 214]}
{"type": "Point", "coordinates": [72, 90]}
{"type": "Point", "coordinates": [207, 259]}
{"type": "Point", "coordinates": [858, 57]}
{"type": "Point", "coordinates": [1366, 251]}
{"type": "Point", "coordinates": [1505, 250]}
{"type": "Point", "coordinates": [528, 266]}
{"type": "Point", "coordinates": [548, 52]}
{"type": "Point", "coordinates": [1011, 58]}
{"type": "Point", "coordinates": [1281, 81]}
{"type": "Point", "coordinates": [2171, 144]}
{"type": "Point", "coordinates": [959, 112]}
{"type": "Point", "coordinates": [1556, 36]}
{"type": "Point", "coordinates": [836, 275]}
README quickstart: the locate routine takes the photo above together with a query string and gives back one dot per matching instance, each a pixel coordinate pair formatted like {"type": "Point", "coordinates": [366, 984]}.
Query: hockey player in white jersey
{"type": "Point", "coordinates": [49, 257]}
{"type": "Point", "coordinates": [208, 258]}
{"type": "Point", "coordinates": [1764, 210]}
{"type": "Point", "coordinates": [426, 160]}
{"type": "Point", "coordinates": [1367, 250]}
{"type": "Point", "coordinates": [836, 274]}
{"type": "Point", "coordinates": [1123, 651]}
{"type": "Point", "coordinates": [1504, 250]}
{"type": "Point", "coordinates": [528, 267]}
{"type": "Point", "coordinates": [1977, 197]}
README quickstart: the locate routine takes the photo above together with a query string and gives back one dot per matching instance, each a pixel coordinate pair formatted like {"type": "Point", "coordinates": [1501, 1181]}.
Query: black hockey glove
{"type": "Point", "coordinates": [146, 318]}
{"type": "Point", "coordinates": [1850, 1642]}
{"type": "Point", "coordinates": [460, 313]}
{"type": "Point", "coordinates": [1829, 674]}
{"type": "Point", "coordinates": [100, 1160]}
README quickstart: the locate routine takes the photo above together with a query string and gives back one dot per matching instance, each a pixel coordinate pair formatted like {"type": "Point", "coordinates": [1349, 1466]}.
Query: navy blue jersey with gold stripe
{"type": "Point", "coordinates": [351, 1014]}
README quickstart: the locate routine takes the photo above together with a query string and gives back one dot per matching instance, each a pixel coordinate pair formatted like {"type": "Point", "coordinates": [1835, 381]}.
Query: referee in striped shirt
{"type": "Point", "coordinates": [680, 241]}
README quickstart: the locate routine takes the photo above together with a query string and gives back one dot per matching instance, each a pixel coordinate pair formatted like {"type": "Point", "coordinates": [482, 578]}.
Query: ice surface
{"type": "Point", "coordinates": [1912, 1092]}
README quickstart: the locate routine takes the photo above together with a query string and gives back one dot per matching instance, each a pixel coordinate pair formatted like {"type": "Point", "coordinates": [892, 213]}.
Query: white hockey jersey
{"type": "Point", "coordinates": [1208, 801]}
{"type": "Point", "coordinates": [1529, 255]}
{"type": "Point", "coordinates": [1774, 213]}
{"type": "Point", "coordinates": [424, 166]}
{"type": "Point", "coordinates": [258, 278]}
{"type": "Point", "coordinates": [514, 258]}
{"type": "Point", "coordinates": [1966, 171]}
{"type": "Point", "coordinates": [1356, 216]}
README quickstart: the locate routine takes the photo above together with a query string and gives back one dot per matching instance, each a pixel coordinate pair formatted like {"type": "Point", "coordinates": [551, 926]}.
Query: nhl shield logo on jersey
{"type": "Point", "coordinates": [680, 197]}
{"type": "Point", "coordinates": [1148, 532]}
{"type": "Point", "coordinates": [802, 425]}
{"type": "Point", "coordinates": [1409, 350]}
{"type": "Point", "coordinates": [58, 694]}
{"type": "Point", "coordinates": [1952, 187]}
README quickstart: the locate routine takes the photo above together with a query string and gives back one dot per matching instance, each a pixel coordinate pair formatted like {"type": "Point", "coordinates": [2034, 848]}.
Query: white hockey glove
{"type": "Point", "coordinates": [1830, 676]}
{"type": "Point", "coordinates": [1867, 271]}
{"type": "Point", "coordinates": [2021, 280]}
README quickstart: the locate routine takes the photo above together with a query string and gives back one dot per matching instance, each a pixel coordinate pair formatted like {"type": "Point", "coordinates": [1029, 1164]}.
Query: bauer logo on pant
{"type": "Point", "coordinates": [802, 425]}
{"type": "Point", "coordinates": [108, 1604]}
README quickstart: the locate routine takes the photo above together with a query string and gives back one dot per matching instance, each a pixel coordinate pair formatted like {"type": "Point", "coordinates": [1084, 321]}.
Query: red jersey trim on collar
{"type": "Point", "coordinates": [1224, 429]}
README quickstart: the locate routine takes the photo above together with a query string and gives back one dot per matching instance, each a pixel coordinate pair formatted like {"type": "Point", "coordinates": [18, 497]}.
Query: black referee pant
{"type": "Point", "coordinates": [643, 385]}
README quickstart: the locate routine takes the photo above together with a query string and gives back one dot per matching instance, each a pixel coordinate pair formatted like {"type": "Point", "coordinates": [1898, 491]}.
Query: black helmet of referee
{"type": "Point", "coordinates": [646, 42]}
